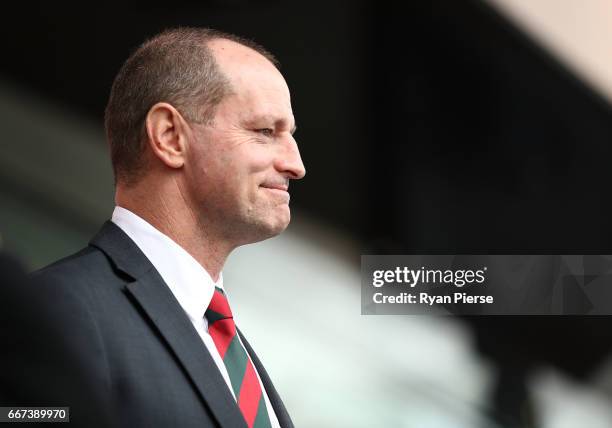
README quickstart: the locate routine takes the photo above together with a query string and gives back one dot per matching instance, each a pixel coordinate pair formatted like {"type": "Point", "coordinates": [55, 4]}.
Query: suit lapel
{"type": "Point", "coordinates": [279, 408]}
{"type": "Point", "coordinates": [160, 305]}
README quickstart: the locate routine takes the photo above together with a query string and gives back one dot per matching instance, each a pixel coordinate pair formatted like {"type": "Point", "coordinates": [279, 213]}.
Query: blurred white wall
{"type": "Point", "coordinates": [298, 296]}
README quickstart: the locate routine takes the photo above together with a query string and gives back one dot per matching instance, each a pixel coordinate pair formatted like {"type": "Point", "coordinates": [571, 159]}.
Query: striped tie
{"type": "Point", "coordinates": [241, 372]}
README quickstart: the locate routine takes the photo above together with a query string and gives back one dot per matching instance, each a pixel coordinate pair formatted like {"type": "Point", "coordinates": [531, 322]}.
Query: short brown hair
{"type": "Point", "coordinates": [175, 66]}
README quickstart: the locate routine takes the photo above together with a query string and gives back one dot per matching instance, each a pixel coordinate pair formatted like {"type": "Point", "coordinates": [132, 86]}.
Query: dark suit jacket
{"type": "Point", "coordinates": [136, 344]}
{"type": "Point", "coordinates": [37, 365]}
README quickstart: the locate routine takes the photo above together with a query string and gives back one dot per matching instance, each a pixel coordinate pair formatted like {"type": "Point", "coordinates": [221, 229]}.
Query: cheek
{"type": "Point", "coordinates": [236, 169]}
{"type": "Point", "coordinates": [248, 170]}
{"type": "Point", "coordinates": [256, 161]}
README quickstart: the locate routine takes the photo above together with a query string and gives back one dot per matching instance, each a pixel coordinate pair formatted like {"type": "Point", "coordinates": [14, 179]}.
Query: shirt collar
{"type": "Point", "coordinates": [190, 283]}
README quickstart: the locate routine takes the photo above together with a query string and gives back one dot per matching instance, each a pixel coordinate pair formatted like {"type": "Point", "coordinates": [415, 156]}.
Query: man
{"type": "Point", "coordinates": [200, 128]}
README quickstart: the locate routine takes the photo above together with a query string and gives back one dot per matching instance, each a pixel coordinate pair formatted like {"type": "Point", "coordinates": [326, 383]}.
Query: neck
{"type": "Point", "coordinates": [166, 210]}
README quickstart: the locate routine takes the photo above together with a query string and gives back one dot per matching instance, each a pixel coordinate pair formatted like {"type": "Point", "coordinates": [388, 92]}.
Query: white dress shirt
{"type": "Point", "coordinates": [190, 283]}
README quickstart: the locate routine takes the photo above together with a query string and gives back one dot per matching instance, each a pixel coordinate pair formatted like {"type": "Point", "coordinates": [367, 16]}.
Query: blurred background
{"type": "Point", "coordinates": [463, 126]}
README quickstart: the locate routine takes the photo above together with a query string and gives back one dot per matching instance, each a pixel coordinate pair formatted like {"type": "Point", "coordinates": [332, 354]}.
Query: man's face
{"type": "Point", "coordinates": [238, 168]}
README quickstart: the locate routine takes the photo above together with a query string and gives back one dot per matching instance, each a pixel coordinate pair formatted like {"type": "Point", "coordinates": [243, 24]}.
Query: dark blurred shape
{"type": "Point", "coordinates": [483, 140]}
{"type": "Point", "coordinates": [37, 364]}
{"type": "Point", "coordinates": [485, 143]}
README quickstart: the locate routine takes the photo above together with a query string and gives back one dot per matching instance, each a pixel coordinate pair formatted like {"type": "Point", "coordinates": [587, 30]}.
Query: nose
{"type": "Point", "coordinates": [289, 162]}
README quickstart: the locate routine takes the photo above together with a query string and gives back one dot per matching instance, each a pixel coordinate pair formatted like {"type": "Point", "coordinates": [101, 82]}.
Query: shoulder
{"type": "Point", "coordinates": [89, 264]}
{"type": "Point", "coordinates": [72, 292]}
{"type": "Point", "coordinates": [54, 330]}
{"type": "Point", "coordinates": [86, 277]}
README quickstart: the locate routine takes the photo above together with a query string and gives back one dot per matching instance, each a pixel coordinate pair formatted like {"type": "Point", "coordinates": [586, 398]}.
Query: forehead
{"type": "Point", "coordinates": [256, 83]}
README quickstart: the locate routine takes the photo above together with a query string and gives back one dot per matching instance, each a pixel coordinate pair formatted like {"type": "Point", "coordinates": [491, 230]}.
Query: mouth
{"type": "Point", "coordinates": [276, 185]}
{"type": "Point", "coordinates": [281, 189]}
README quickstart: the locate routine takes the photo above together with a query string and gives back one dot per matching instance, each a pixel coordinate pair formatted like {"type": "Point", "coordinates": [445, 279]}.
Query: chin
{"type": "Point", "coordinates": [263, 224]}
{"type": "Point", "coordinates": [274, 226]}
{"type": "Point", "coordinates": [280, 228]}
{"type": "Point", "coordinates": [278, 225]}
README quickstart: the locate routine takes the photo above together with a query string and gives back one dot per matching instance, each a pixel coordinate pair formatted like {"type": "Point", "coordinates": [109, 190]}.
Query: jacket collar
{"type": "Point", "coordinates": [121, 250]}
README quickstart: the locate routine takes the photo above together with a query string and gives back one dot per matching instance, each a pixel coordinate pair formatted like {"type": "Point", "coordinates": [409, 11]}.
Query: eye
{"type": "Point", "coordinates": [267, 132]}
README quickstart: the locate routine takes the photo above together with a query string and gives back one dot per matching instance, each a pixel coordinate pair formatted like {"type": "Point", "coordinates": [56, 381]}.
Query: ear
{"type": "Point", "coordinates": [166, 134]}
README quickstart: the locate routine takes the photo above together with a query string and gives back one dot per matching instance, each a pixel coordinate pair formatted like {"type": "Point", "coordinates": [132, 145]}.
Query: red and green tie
{"type": "Point", "coordinates": [241, 371]}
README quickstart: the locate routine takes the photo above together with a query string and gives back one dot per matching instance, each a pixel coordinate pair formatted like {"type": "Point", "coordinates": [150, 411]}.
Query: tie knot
{"type": "Point", "coordinates": [218, 308]}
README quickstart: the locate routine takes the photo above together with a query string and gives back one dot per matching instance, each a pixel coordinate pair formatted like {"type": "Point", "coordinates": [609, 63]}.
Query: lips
{"type": "Point", "coordinates": [283, 188]}
{"type": "Point", "coordinates": [281, 185]}
{"type": "Point", "coordinates": [280, 189]}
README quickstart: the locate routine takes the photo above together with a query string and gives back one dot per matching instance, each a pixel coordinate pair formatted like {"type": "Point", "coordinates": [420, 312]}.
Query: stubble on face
{"type": "Point", "coordinates": [240, 195]}
{"type": "Point", "coordinates": [248, 197]}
